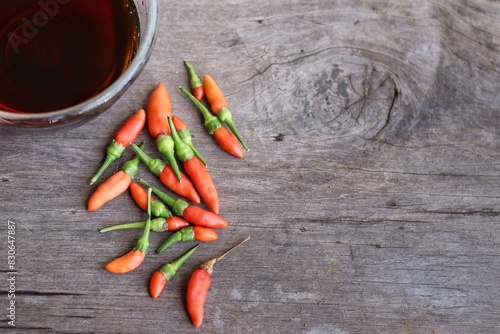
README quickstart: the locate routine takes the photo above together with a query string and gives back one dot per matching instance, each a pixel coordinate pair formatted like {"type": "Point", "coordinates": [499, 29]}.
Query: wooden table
{"type": "Point", "coordinates": [371, 190]}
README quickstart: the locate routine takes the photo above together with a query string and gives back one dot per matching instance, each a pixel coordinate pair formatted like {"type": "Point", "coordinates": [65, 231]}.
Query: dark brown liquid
{"type": "Point", "coordinates": [57, 53]}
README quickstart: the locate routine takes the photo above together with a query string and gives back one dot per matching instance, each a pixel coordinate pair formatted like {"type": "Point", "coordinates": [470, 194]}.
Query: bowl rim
{"type": "Point", "coordinates": [91, 106]}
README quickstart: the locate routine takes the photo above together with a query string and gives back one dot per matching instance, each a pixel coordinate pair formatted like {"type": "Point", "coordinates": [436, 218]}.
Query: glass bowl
{"type": "Point", "coordinates": [147, 13]}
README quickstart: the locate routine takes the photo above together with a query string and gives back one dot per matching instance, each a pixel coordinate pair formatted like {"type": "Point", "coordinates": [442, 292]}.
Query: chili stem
{"type": "Point", "coordinates": [220, 257]}
{"type": "Point", "coordinates": [144, 239]}
{"type": "Point", "coordinates": [171, 268]}
{"type": "Point", "coordinates": [185, 135]}
{"type": "Point", "coordinates": [183, 150]}
{"type": "Point", "coordinates": [113, 152]}
{"type": "Point", "coordinates": [157, 225]}
{"type": "Point", "coordinates": [225, 117]}
{"type": "Point", "coordinates": [123, 226]}
{"type": "Point", "coordinates": [155, 165]}
{"type": "Point", "coordinates": [209, 265]}
{"type": "Point", "coordinates": [165, 145]}
{"type": "Point", "coordinates": [186, 234]}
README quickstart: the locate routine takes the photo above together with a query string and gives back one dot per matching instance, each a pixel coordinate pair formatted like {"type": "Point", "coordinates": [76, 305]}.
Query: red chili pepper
{"type": "Point", "coordinates": [115, 185]}
{"type": "Point", "coordinates": [122, 139]}
{"type": "Point", "coordinates": [196, 170]}
{"type": "Point", "coordinates": [159, 108]}
{"type": "Point", "coordinates": [164, 172]}
{"type": "Point", "coordinates": [135, 257]}
{"type": "Point", "coordinates": [140, 196]}
{"type": "Point", "coordinates": [185, 135]}
{"type": "Point", "coordinates": [190, 233]}
{"type": "Point", "coordinates": [218, 104]}
{"type": "Point", "coordinates": [166, 272]}
{"type": "Point", "coordinates": [200, 217]}
{"type": "Point", "coordinates": [159, 224]}
{"type": "Point", "coordinates": [196, 84]}
{"type": "Point", "coordinates": [191, 213]}
{"type": "Point", "coordinates": [198, 286]}
{"type": "Point", "coordinates": [176, 223]}
{"type": "Point", "coordinates": [226, 140]}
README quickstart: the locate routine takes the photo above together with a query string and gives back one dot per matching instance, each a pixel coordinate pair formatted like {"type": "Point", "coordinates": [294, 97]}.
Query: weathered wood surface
{"type": "Point", "coordinates": [371, 190]}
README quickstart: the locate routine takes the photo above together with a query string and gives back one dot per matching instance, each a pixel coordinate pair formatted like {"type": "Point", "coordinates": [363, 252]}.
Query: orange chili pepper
{"type": "Point", "coordinates": [218, 104]}
{"type": "Point", "coordinates": [198, 286]}
{"type": "Point", "coordinates": [196, 84]}
{"type": "Point", "coordinates": [164, 172]}
{"type": "Point", "coordinates": [226, 140]}
{"type": "Point", "coordinates": [159, 108]}
{"type": "Point", "coordinates": [114, 185]}
{"type": "Point", "coordinates": [122, 139]}
{"type": "Point", "coordinates": [135, 257]}
{"type": "Point", "coordinates": [190, 233]}
{"type": "Point", "coordinates": [166, 272]}
{"type": "Point", "coordinates": [193, 214]}
{"type": "Point", "coordinates": [196, 170]}
{"type": "Point", "coordinates": [215, 97]}
{"type": "Point", "coordinates": [127, 262]}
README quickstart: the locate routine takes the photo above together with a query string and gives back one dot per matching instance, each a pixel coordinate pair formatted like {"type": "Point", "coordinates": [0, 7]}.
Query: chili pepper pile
{"type": "Point", "coordinates": [179, 213]}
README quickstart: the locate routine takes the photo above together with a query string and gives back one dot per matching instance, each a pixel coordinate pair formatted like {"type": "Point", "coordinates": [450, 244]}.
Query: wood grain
{"type": "Point", "coordinates": [371, 190]}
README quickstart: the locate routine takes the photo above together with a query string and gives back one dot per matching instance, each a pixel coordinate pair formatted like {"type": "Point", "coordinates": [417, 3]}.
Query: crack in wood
{"type": "Point", "coordinates": [45, 293]}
